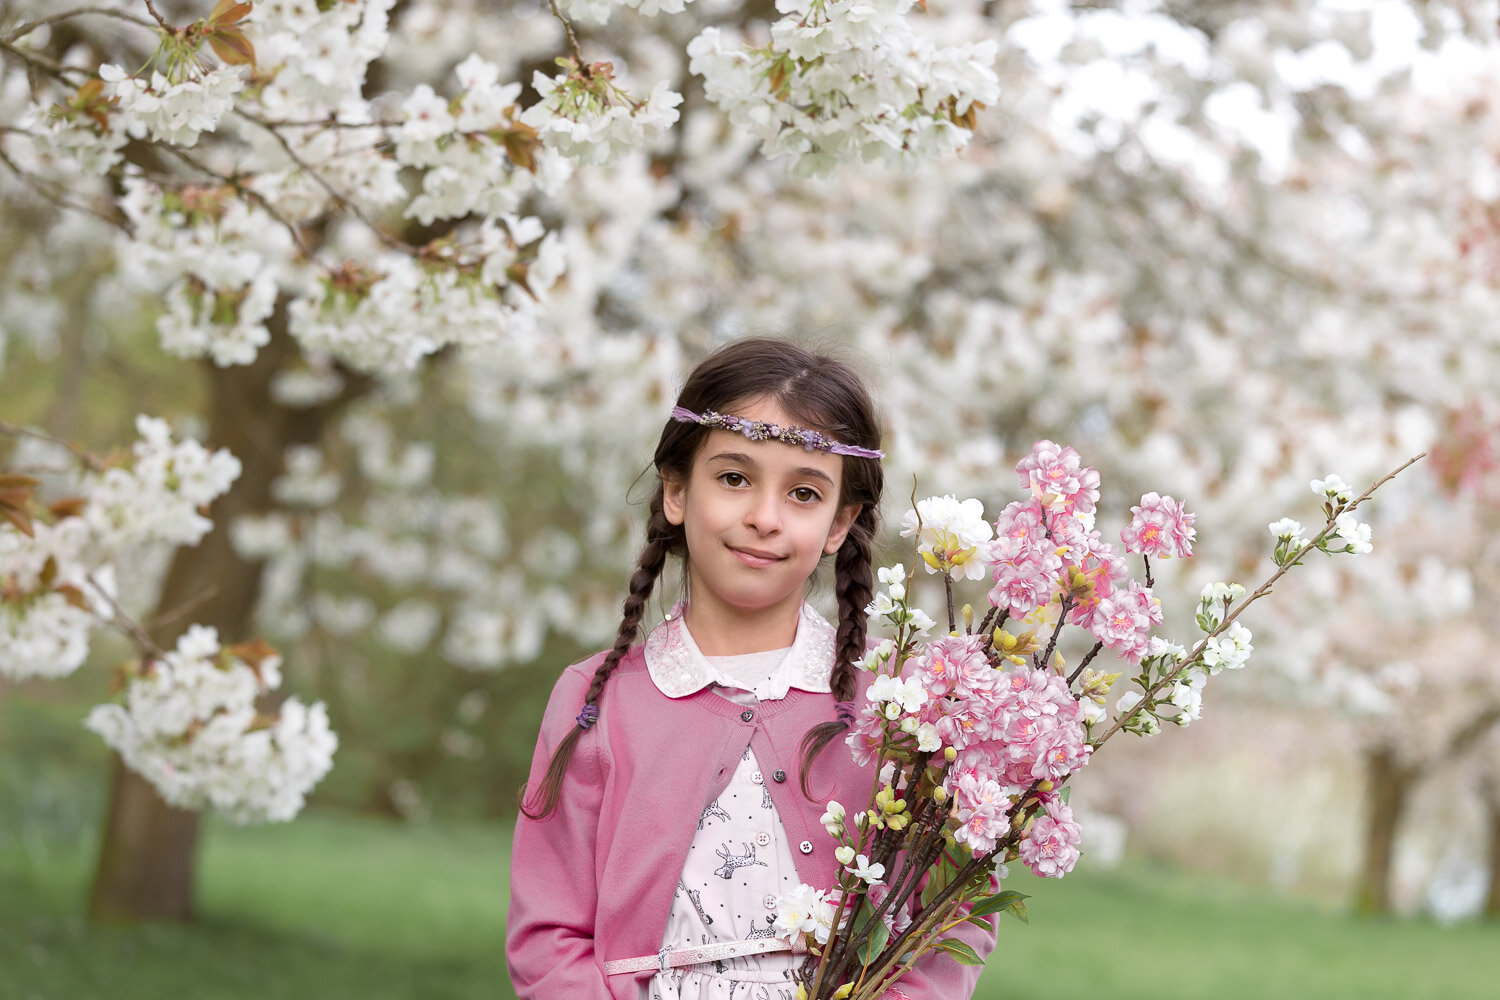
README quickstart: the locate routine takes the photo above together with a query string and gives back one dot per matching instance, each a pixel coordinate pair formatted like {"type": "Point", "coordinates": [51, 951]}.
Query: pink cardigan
{"type": "Point", "coordinates": [593, 882]}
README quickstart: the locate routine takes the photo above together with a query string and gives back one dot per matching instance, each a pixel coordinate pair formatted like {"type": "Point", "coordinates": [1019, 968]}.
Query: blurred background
{"type": "Point", "coordinates": [1221, 248]}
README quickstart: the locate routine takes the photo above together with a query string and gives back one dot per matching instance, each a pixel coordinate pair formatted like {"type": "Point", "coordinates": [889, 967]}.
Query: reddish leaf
{"type": "Point", "coordinates": [18, 517]}
{"type": "Point", "coordinates": [68, 507]}
{"type": "Point", "coordinates": [233, 47]}
{"type": "Point", "coordinates": [74, 596]}
{"type": "Point", "coordinates": [227, 12]}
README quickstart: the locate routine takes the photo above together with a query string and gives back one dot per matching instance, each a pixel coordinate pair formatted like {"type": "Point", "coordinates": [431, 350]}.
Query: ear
{"type": "Point", "coordinates": [842, 522]}
{"type": "Point", "coordinates": [673, 497]}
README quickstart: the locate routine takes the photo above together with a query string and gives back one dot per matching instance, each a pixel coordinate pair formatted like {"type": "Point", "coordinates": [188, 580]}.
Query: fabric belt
{"type": "Point", "coordinates": [673, 958]}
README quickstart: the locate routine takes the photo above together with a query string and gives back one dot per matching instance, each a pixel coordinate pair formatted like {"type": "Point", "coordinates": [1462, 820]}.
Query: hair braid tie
{"type": "Point", "coordinates": [845, 712]}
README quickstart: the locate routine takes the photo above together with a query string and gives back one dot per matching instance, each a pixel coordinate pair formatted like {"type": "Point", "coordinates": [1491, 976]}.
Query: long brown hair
{"type": "Point", "coordinates": [818, 392]}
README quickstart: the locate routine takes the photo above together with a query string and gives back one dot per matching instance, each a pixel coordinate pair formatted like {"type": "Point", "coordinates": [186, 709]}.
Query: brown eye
{"type": "Point", "coordinates": [805, 494]}
{"type": "Point", "coordinates": [733, 480]}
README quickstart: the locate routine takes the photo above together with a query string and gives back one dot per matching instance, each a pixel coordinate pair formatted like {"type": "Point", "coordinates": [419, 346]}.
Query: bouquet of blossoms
{"type": "Point", "coordinates": [975, 732]}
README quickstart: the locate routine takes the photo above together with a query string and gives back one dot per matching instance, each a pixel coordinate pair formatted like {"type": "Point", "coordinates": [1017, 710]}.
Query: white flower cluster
{"type": "Point", "coordinates": [409, 310]}
{"type": "Point", "coordinates": [59, 582]}
{"type": "Point", "coordinates": [588, 119]}
{"type": "Point", "coordinates": [217, 256]}
{"type": "Point", "coordinates": [598, 11]}
{"type": "Point", "coordinates": [173, 111]}
{"type": "Point", "coordinates": [461, 147]}
{"type": "Point", "coordinates": [190, 727]}
{"type": "Point", "coordinates": [57, 140]}
{"type": "Point", "coordinates": [847, 79]}
{"type": "Point", "coordinates": [950, 535]}
{"type": "Point", "coordinates": [157, 499]}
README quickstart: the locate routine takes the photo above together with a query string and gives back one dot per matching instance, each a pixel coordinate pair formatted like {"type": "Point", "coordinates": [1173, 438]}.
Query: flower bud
{"type": "Point", "coordinates": [845, 854]}
{"type": "Point", "coordinates": [940, 795]}
{"type": "Point", "coordinates": [950, 754]}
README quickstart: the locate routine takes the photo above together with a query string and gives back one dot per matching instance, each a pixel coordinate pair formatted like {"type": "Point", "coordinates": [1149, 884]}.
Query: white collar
{"type": "Point", "coordinates": [679, 668]}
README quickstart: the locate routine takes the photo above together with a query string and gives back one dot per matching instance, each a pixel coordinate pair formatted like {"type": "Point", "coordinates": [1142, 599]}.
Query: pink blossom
{"type": "Point", "coordinates": [957, 666]}
{"type": "Point", "coordinates": [1050, 848]}
{"type": "Point", "coordinates": [1159, 527]}
{"type": "Point", "coordinates": [1025, 562]}
{"type": "Point", "coordinates": [1022, 525]}
{"type": "Point", "coordinates": [981, 812]}
{"type": "Point", "coordinates": [1057, 476]}
{"type": "Point", "coordinates": [1123, 621]}
{"type": "Point", "coordinates": [976, 762]}
{"type": "Point", "coordinates": [866, 736]}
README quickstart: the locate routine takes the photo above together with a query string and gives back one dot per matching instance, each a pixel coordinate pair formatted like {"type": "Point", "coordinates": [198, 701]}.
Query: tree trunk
{"type": "Point", "coordinates": [1388, 785]}
{"type": "Point", "coordinates": [146, 853]}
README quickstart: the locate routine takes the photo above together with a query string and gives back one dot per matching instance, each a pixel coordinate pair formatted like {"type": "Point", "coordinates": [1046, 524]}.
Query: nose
{"type": "Point", "coordinates": [763, 512]}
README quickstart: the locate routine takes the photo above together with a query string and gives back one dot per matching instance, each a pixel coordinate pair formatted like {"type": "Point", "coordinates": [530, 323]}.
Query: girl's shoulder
{"type": "Point", "coordinates": [578, 676]}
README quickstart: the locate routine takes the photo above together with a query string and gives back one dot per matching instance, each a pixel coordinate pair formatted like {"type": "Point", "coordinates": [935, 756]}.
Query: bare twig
{"type": "Point", "coordinates": [126, 624]}
{"type": "Point", "coordinates": [51, 193]}
{"type": "Point", "coordinates": [42, 22]}
{"type": "Point", "coordinates": [89, 462]}
{"type": "Point", "coordinates": [568, 27]}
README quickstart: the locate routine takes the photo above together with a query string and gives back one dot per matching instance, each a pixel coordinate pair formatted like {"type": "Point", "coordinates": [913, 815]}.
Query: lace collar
{"type": "Point", "coordinates": [679, 669]}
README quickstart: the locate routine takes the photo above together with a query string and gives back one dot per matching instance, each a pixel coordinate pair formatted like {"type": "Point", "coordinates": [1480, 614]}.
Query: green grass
{"type": "Point", "coordinates": [331, 907]}
{"type": "Point", "coordinates": [327, 907]}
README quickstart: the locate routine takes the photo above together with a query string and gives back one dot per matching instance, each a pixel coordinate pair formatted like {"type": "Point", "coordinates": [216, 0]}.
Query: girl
{"type": "Point", "coordinates": [678, 785]}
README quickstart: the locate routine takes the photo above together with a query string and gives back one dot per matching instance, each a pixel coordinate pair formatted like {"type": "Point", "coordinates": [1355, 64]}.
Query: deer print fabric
{"type": "Point", "coordinates": [739, 862]}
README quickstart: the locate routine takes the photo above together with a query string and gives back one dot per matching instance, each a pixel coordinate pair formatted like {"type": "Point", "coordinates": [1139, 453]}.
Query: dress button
{"type": "Point", "coordinates": [780, 775]}
{"type": "Point", "coordinates": [758, 778]}
{"type": "Point", "coordinates": [746, 715]}
{"type": "Point", "coordinates": [769, 902]}
{"type": "Point", "coordinates": [805, 847]}
{"type": "Point", "coordinates": [762, 838]}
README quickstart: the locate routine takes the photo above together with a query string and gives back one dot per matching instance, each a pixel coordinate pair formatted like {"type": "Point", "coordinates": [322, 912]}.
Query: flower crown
{"type": "Point", "coordinates": [759, 430]}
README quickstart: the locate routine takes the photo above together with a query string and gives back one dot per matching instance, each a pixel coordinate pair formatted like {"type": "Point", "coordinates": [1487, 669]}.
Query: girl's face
{"type": "Point", "coordinates": [757, 516]}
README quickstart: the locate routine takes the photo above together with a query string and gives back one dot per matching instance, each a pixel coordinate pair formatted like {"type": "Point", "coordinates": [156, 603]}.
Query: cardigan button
{"type": "Point", "coordinates": [805, 847]}
{"type": "Point", "coordinates": [780, 775]}
{"type": "Point", "coordinates": [746, 715]}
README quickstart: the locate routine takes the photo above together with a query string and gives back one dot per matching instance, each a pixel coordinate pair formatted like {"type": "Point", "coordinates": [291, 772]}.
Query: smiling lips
{"type": "Point", "coordinates": [755, 557]}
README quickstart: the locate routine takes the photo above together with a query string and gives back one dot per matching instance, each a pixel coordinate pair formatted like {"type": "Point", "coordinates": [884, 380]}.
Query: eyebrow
{"type": "Point", "coordinates": [740, 458]}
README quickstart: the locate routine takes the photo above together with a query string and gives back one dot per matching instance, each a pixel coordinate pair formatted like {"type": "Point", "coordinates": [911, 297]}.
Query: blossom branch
{"type": "Point", "coordinates": [1231, 615]}
{"type": "Point", "coordinates": [235, 182]}
{"type": "Point", "coordinates": [340, 199]}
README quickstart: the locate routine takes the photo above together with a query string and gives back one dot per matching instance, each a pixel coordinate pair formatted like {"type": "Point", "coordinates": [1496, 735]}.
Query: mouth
{"type": "Point", "coordinates": [755, 557]}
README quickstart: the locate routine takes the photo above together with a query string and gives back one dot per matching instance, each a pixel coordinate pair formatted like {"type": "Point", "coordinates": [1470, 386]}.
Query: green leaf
{"type": "Point", "coordinates": [962, 953]}
{"type": "Point", "coordinates": [872, 948]}
{"type": "Point", "coordinates": [941, 874]}
{"type": "Point", "coordinates": [1006, 900]}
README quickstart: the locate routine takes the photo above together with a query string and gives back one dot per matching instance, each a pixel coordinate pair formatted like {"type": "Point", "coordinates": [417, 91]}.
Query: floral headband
{"type": "Point", "coordinates": [759, 430]}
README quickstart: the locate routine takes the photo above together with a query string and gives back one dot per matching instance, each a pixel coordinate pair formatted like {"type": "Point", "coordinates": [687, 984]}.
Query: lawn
{"type": "Point", "coordinates": [332, 907]}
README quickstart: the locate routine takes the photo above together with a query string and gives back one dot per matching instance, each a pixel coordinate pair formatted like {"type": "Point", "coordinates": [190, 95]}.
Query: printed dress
{"type": "Point", "coordinates": [740, 860]}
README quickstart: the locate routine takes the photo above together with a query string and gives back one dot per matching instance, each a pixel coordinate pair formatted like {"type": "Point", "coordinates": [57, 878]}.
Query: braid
{"type": "Point", "coordinates": [854, 583]}
{"type": "Point", "coordinates": [661, 538]}
{"type": "Point", "coordinates": [854, 586]}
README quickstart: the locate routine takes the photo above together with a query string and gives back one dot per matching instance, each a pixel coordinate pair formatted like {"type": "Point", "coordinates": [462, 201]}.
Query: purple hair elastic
{"type": "Point", "coordinates": [588, 716]}
{"type": "Point", "coordinates": [759, 430]}
{"type": "Point", "coordinates": [845, 712]}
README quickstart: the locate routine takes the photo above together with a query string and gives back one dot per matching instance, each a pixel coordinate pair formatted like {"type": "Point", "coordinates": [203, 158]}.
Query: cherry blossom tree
{"type": "Point", "coordinates": [1224, 246]}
